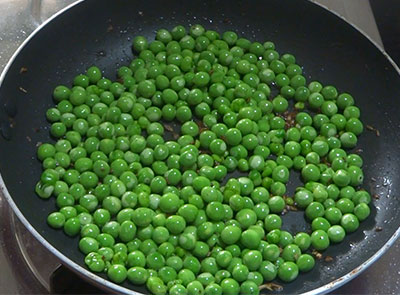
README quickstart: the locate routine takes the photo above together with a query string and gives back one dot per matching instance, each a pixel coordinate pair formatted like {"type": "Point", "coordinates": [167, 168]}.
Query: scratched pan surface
{"type": "Point", "coordinates": [330, 50]}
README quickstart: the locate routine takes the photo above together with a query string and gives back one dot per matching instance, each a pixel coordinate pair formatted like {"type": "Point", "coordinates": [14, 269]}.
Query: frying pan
{"type": "Point", "coordinates": [100, 32]}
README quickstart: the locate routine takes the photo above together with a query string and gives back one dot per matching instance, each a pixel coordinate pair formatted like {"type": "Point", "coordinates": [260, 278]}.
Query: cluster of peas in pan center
{"type": "Point", "coordinates": [155, 212]}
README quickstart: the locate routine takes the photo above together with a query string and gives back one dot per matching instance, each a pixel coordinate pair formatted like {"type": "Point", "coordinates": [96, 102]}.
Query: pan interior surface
{"type": "Point", "coordinates": [101, 32]}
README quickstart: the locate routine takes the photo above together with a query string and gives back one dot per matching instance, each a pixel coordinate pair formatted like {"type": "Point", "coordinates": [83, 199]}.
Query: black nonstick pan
{"type": "Point", "coordinates": [100, 32]}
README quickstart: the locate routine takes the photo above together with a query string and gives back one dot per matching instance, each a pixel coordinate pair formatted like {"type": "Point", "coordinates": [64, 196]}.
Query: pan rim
{"type": "Point", "coordinates": [118, 288]}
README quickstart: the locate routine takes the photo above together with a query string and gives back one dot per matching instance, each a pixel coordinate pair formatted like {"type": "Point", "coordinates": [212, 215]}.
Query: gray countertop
{"type": "Point", "coordinates": [18, 18]}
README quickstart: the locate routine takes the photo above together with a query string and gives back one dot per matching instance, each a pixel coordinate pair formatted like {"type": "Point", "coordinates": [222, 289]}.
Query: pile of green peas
{"type": "Point", "coordinates": [168, 214]}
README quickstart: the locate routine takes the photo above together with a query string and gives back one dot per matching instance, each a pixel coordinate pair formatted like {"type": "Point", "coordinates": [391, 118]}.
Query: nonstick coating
{"type": "Point", "coordinates": [100, 32]}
